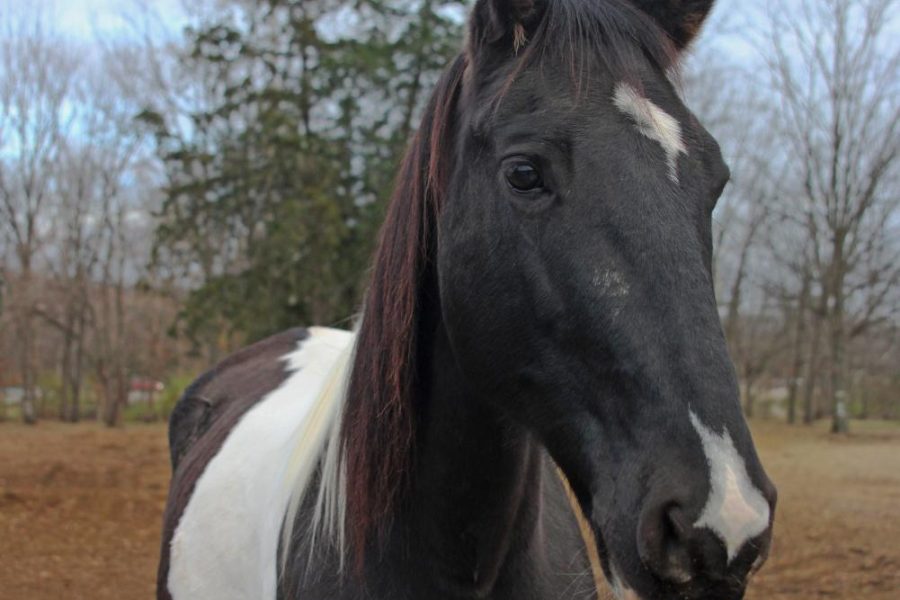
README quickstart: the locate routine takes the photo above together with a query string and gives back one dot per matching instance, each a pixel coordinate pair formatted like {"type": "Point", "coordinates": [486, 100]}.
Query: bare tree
{"type": "Point", "coordinates": [121, 209]}
{"type": "Point", "coordinates": [835, 65]}
{"type": "Point", "coordinates": [74, 243]}
{"type": "Point", "coordinates": [35, 85]}
{"type": "Point", "coordinates": [740, 116]}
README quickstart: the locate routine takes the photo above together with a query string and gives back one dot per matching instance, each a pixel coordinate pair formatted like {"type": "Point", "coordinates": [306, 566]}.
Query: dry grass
{"type": "Point", "coordinates": [80, 509]}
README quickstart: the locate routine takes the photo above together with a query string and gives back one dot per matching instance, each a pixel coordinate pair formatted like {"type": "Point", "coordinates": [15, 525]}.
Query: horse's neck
{"type": "Point", "coordinates": [475, 499]}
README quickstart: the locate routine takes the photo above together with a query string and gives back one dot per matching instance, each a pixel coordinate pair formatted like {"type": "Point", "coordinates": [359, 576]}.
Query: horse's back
{"type": "Point", "coordinates": [230, 438]}
{"type": "Point", "coordinates": [227, 390]}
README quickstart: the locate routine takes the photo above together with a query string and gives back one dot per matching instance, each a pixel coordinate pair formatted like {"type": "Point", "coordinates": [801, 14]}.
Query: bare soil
{"type": "Point", "coordinates": [80, 511]}
{"type": "Point", "coordinates": [837, 525]}
{"type": "Point", "coordinates": [81, 506]}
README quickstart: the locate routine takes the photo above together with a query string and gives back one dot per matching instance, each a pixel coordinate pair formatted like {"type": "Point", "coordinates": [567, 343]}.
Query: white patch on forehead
{"type": "Point", "coordinates": [653, 122]}
{"type": "Point", "coordinates": [736, 510]}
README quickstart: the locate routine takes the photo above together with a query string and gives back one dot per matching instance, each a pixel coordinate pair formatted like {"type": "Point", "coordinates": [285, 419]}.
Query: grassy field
{"type": "Point", "coordinates": [80, 510]}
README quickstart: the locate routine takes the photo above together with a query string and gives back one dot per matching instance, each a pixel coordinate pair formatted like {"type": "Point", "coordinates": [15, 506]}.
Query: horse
{"type": "Point", "coordinates": [541, 302]}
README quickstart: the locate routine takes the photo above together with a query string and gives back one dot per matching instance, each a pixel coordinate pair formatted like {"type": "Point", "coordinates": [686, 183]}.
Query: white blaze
{"type": "Point", "coordinates": [736, 510]}
{"type": "Point", "coordinates": [653, 122]}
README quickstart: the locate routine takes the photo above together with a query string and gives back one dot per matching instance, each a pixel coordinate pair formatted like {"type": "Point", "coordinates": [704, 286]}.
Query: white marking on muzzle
{"type": "Point", "coordinates": [736, 510]}
{"type": "Point", "coordinates": [653, 122]}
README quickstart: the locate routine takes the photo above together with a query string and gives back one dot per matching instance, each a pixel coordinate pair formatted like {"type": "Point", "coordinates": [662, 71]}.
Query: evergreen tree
{"type": "Point", "coordinates": [276, 189]}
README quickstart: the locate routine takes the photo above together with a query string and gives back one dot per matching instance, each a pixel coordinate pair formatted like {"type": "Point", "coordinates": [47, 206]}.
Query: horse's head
{"type": "Point", "coordinates": [574, 268]}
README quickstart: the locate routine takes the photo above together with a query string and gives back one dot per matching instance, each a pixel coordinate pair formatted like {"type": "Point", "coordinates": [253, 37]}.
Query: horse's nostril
{"type": "Point", "coordinates": [677, 552]}
{"type": "Point", "coordinates": [678, 567]}
{"type": "Point", "coordinates": [663, 543]}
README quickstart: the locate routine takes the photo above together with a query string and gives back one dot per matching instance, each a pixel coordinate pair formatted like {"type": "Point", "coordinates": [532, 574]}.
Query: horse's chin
{"type": "Point", "coordinates": [658, 590]}
{"type": "Point", "coordinates": [622, 592]}
{"type": "Point", "coordinates": [619, 588]}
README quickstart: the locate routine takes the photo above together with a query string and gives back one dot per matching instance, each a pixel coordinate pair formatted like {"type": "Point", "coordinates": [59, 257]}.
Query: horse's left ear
{"type": "Point", "coordinates": [681, 19]}
{"type": "Point", "coordinates": [504, 24]}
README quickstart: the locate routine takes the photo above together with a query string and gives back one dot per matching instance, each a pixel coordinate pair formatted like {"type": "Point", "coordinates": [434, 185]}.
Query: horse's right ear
{"type": "Point", "coordinates": [504, 24]}
{"type": "Point", "coordinates": [681, 19]}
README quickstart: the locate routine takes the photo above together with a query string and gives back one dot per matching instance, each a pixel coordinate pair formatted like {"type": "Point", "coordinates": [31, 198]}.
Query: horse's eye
{"type": "Point", "coordinates": [523, 176]}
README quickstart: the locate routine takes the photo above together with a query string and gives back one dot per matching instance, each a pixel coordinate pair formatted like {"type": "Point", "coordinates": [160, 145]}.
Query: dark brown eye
{"type": "Point", "coordinates": [523, 176]}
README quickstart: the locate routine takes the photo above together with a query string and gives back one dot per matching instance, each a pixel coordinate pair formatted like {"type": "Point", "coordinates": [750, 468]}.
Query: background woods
{"type": "Point", "coordinates": [172, 188]}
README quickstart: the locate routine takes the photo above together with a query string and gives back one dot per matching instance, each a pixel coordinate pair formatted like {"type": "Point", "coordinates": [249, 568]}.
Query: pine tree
{"type": "Point", "coordinates": [276, 191]}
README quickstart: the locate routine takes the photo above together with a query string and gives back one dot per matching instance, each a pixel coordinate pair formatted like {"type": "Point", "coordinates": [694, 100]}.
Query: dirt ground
{"type": "Point", "coordinates": [80, 510]}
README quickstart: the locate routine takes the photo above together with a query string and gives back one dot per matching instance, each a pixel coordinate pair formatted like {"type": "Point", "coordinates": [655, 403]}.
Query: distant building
{"type": "Point", "coordinates": [12, 395]}
{"type": "Point", "coordinates": [144, 391]}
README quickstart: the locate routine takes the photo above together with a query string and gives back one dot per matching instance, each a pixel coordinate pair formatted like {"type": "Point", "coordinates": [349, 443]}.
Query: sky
{"type": "Point", "coordinates": [83, 19]}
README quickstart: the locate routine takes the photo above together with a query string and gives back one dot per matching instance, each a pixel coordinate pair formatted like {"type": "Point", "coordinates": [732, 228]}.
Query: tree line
{"type": "Point", "coordinates": [809, 249]}
{"type": "Point", "coordinates": [169, 195]}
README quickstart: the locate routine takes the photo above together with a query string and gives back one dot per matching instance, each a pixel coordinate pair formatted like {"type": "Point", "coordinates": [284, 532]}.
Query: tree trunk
{"type": "Point", "coordinates": [797, 350]}
{"type": "Point", "coordinates": [110, 413]}
{"type": "Point", "coordinates": [29, 411]}
{"type": "Point", "coordinates": [116, 400]}
{"type": "Point", "coordinates": [65, 371]}
{"type": "Point", "coordinates": [812, 364]}
{"type": "Point", "coordinates": [26, 338]}
{"type": "Point", "coordinates": [839, 409]}
{"type": "Point", "coordinates": [78, 369]}
{"type": "Point", "coordinates": [116, 389]}
{"type": "Point", "coordinates": [749, 399]}
{"type": "Point", "coordinates": [864, 402]}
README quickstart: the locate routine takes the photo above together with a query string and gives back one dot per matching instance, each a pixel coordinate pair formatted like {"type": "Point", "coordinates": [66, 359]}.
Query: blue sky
{"type": "Point", "coordinates": [82, 19]}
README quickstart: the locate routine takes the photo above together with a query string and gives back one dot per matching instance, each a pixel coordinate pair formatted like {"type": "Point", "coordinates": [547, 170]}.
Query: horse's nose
{"type": "Point", "coordinates": [725, 544]}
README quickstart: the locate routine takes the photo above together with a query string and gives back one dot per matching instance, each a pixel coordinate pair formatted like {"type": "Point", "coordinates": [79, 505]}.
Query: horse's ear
{"type": "Point", "coordinates": [505, 24]}
{"type": "Point", "coordinates": [681, 19]}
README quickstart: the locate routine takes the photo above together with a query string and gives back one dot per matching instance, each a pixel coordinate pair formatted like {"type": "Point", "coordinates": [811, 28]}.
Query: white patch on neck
{"type": "Point", "coordinates": [653, 122]}
{"type": "Point", "coordinates": [736, 510]}
{"type": "Point", "coordinates": [225, 546]}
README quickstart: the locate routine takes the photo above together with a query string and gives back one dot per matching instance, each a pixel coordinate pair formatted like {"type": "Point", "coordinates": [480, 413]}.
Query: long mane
{"type": "Point", "coordinates": [368, 413]}
{"type": "Point", "coordinates": [377, 433]}
{"type": "Point", "coordinates": [378, 422]}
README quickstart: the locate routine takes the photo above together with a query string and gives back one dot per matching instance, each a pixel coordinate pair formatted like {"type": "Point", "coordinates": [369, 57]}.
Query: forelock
{"type": "Point", "coordinates": [579, 35]}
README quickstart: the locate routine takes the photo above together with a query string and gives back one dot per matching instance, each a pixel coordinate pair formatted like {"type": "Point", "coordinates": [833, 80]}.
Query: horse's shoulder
{"type": "Point", "coordinates": [206, 414]}
{"type": "Point", "coordinates": [229, 389]}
